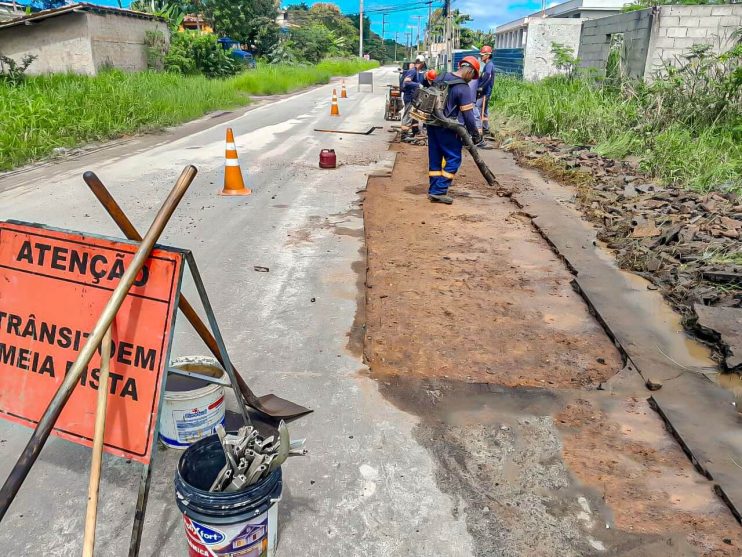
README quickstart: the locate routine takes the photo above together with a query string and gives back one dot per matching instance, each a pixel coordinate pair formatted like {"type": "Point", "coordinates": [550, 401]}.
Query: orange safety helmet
{"type": "Point", "coordinates": [430, 75]}
{"type": "Point", "coordinates": [486, 49]}
{"type": "Point", "coordinates": [472, 62]}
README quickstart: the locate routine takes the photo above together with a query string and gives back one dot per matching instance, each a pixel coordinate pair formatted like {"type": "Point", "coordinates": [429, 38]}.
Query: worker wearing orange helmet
{"type": "Point", "coordinates": [484, 90]}
{"type": "Point", "coordinates": [430, 77]}
{"type": "Point", "coordinates": [444, 145]}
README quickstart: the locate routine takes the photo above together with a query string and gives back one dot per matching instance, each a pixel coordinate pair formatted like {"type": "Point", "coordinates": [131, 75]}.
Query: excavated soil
{"type": "Point", "coordinates": [472, 324]}
{"type": "Point", "coordinates": [470, 291]}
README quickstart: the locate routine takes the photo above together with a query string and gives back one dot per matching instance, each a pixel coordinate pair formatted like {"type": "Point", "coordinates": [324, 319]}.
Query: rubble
{"type": "Point", "coordinates": [687, 243]}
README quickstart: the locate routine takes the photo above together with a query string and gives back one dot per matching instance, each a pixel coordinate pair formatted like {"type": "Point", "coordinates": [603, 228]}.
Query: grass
{"type": "Point", "coordinates": [580, 112]}
{"type": "Point", "coordinates": [64, 110]}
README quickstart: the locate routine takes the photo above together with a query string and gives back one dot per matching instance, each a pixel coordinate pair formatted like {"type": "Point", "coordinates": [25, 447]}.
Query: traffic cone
{"type": "Point", "coordinates": [343, 92]}
{"type": "Point", "coordinates": [334, 109]}
{"type": "Point", "coordinates": [233, 182]}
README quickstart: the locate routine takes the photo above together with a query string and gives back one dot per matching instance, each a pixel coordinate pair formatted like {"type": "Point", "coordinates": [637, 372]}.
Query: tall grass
{"type": "Point", "coordinates": [269, 79]}
{"type": "Point", "coordinates": [581, 112]}
{"type": "Point", "coordinates": [64, 110]}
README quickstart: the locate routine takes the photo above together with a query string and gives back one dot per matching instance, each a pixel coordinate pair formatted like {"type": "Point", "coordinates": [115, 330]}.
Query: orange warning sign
{"type": "Point", "coordinates": [54, 285]}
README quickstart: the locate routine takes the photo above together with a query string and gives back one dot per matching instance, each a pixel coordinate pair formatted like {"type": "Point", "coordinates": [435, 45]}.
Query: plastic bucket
{"type": "Point", "coordinates": [238, 523]}
{"type": "Point", "coordinates": [192, 407]}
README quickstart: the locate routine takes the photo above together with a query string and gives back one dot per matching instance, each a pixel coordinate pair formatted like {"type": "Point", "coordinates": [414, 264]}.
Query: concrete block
{"type": "Point", "coordinates": [594, 39]}
{"type": "Point", "coordinates": [685, 11]}
{"type": "Point", "coordinates": [703, 11]}
{"type": "Point", "coordinates": [697, 32]}
{"type": "Point", "coordinates": [676, 31]}
{"type": "Point", "coordinates": [687, 21]}
{"type": "Point", "coordinates": [669, 21]}
{"type": "Point", "coordinates": [706, 21]}
{"type": "Point", "coordinates": [664, 42]}
{"type": "Point", "coordinates": [684, 43]}
{"type": "Point", "coordinates": [725, 10]}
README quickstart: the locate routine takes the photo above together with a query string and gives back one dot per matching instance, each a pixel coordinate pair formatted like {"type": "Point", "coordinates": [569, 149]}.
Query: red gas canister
{"type": "Point", "coordinates": [327, 158]}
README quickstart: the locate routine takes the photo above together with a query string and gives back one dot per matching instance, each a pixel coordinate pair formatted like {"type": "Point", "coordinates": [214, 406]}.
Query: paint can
{"type": "Point", "coordinates": [225, 524]}
{"type": "Point", "coordinates": [192, 408]}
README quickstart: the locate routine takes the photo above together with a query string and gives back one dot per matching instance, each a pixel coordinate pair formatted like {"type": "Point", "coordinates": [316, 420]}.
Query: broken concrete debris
{"type": "Point", "coordinates": [685, 242]}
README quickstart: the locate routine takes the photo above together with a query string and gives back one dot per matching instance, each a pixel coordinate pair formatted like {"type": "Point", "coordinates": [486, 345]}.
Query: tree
{"type": "Point", "coordinates": [311, 42]}
{"type": "Point", "coordinates": [462, 36]}
{"type": "Point", "coordinates": [252, 22]}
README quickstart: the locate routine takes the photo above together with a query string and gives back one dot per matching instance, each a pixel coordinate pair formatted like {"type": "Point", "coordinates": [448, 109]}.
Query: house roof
{"type": "Point", "coordinates": [75, 8]}
{"type": "Point", "coordinates": [564, 9]}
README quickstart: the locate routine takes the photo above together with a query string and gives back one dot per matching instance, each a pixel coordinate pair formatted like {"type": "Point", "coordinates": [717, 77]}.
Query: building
{"type": "Point", "coordinates": [81, 38]}
{"type": "Point", "coordinates": [515, 33]}
{"type": "Point", "coordinates": [195, 22]}
{"type": "Point", "coordinates": [643, 40]}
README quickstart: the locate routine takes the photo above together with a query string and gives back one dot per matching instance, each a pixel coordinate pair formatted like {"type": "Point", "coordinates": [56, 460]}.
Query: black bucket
{"type": "Point", "coordinates": [238, 522]}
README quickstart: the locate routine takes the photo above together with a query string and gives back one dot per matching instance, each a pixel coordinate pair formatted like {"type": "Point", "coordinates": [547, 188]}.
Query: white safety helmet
{"type": "Point", "coordinates": [420, 58]}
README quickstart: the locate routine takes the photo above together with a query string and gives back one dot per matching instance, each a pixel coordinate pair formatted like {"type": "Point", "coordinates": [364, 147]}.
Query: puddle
{"type": "Point", "coordinates": [676, 345]}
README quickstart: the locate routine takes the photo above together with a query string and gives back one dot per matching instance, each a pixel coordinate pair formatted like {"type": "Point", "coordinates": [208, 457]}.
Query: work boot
{"type": "Point", "coordinates": [435, 198]}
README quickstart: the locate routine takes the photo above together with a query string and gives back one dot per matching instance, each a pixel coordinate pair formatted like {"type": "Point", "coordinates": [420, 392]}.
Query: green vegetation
{"type": "Point", "coordinates": [43, 113]}
{"type": "Point", "coordinates": [686, 126]}
{"type": "Point", "coordinates": [193, 53]}
{"type": "Point", "coordinates": [644, 4]}
{"type": "Point", "coordinates": [322, 30]}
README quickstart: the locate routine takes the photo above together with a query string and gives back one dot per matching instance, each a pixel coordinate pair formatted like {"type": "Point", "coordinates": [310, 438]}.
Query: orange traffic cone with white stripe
{"type": "Point", "coordinates": [234, 184]}
{"type": "Point", "coordinates": [343, 92]}
{"type": "Point", "coordinates": [334, 108]}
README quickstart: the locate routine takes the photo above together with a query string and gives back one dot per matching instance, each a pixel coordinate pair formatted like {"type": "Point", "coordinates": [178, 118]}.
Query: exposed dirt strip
{"type": "Point", "coordinates": [471, 323]}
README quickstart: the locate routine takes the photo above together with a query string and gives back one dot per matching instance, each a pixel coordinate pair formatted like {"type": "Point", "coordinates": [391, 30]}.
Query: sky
{"type": "Point", "coordinates": [487, 14]}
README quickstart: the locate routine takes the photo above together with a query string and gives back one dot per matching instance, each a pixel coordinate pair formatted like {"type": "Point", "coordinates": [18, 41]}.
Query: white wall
{"type": "Point", "coordinates": [539, 60]}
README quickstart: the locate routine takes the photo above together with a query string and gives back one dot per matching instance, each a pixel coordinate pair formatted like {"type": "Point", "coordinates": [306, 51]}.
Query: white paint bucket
{"type": "Point", "coordinates": [192, 407]}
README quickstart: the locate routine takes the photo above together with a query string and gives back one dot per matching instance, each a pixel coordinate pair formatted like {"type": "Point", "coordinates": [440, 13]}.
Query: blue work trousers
{"type": "Point", "coordinates": [444, 158]}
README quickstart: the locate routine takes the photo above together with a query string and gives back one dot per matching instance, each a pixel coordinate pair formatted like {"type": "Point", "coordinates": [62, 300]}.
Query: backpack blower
{"type": "Point", "coordinates": [427, 107]}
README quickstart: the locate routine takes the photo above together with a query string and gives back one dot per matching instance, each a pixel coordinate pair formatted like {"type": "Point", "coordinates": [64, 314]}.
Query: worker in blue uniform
{"type": "Point", "coordinates": [444, 145]}
{"type": "Point", "coordinates": [410, 83]}
{"type": "Point", "coordinates": [484, 89]}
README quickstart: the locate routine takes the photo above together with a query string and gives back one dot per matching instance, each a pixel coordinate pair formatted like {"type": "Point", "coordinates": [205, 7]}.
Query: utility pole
{"type": "Point", "coordinates": [360, 31]}
{"type": "Point", "coordinates": [408, 44]}
{"type": "Point", "coordinates": [383, 25]}
{"type": "Point", "coordinates": [428, 38]}
{"type": "Point", "coordinates": [396, 40]}
{"type": "Point", "coordinates": [419, 17]}
{"type": "Point", "coordinates": [449, 33]}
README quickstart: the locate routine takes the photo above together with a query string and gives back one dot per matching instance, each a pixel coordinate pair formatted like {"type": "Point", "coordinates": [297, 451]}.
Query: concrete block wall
{"type": "Point", "coordinates": [595, 41]}
{"type": "Point", "coordinates": [61, 43]}
{"type": "Point", "coordinates": [676, 28]}
{"type": "Point", "coordinates": [538, 59]}
{"type": "Point", "coordinates": [118, 41]}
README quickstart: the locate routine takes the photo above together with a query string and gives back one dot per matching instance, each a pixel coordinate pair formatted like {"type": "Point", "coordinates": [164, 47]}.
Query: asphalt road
{"type": "Point", "coordinates": [368, 487]}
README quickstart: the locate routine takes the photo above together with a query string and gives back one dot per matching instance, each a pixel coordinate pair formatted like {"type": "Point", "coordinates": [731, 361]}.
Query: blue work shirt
{"type": "Point", "coordinates": [460, 102]}
{"type": "Point", "coordinates": [409, 86]}
{"type": "Point", "coordinates": [487, 79]}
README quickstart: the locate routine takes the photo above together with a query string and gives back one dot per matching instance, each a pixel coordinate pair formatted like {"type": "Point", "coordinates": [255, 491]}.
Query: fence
{"type": "Point", "coordinates": [508, 61]}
